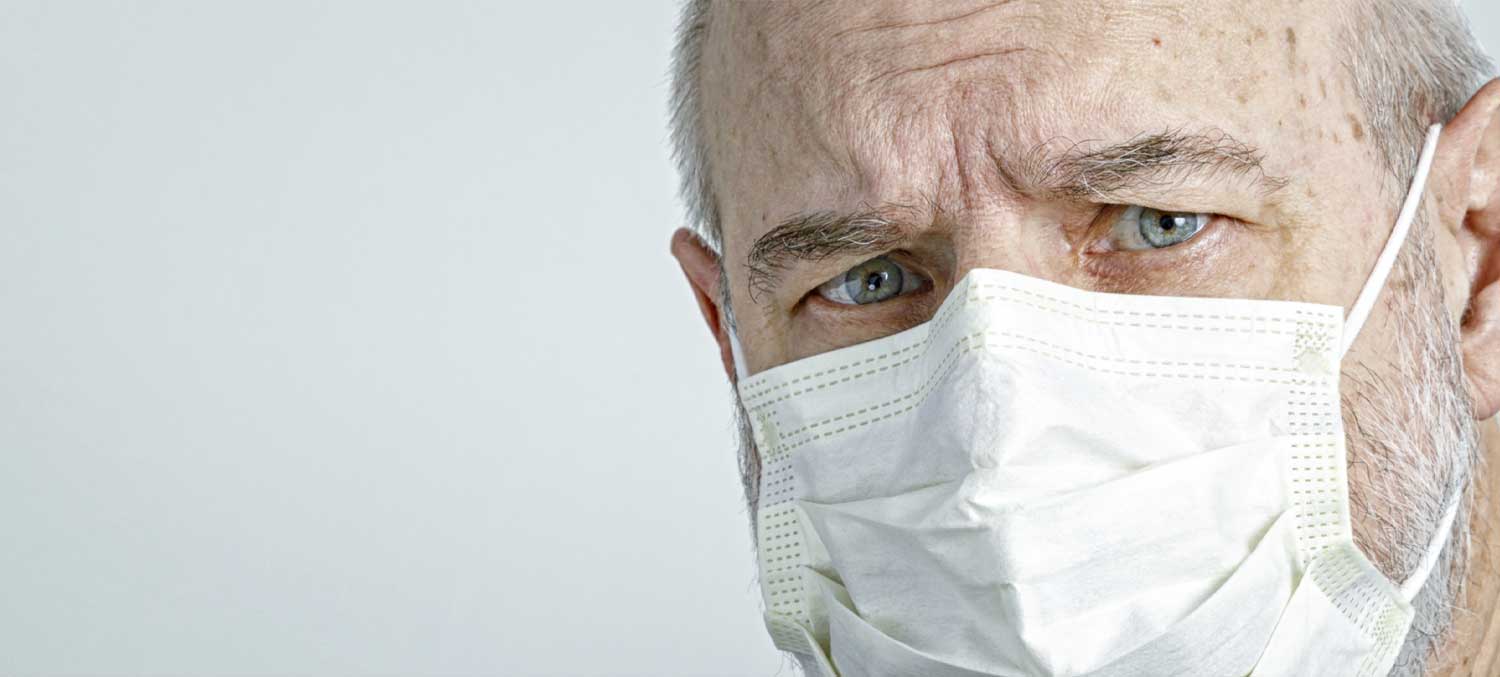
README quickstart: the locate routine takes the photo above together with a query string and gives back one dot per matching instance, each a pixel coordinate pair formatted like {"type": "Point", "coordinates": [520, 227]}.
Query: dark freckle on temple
{"type": "Point", "coordinates": [1301, 101]}
{"type": "Point", "coordinates": [1156, 41]}
{"type": "Point", "coordinates": [1358, 130]}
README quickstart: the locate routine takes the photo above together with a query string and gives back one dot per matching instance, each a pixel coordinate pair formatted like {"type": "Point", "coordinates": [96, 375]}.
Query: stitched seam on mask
{"type": "Point", "coordinates": [925, 390]}
{"type": "Point", "coordinates": [1313, 506]}
{"type": "Point", "coordinates": [1003, 334]}
{"type": "Point", "coordinates": [1296, 381]}
{"type": "Point", "coordinates": [771, 485]}
{"type": "Point", "coordinates": [1356, 600]}
{"type": "Point", "coordinates": [943, 367]}
{"type": "Point", "coordinates": [1147, 325]}
{"type": "Point", "coordinates": [1385, 643]}
{"type": "Point", "coordinates": [783, 580]}
{"type": "Point", "coordinates": [934, 328]}
{"type": "Point", "coordinates": [1137, 313]}
{"type": "Point", "coordinates": [926, 386]}
{"type": "Point", "coordinates": [755, 391]}
{"type": "Point", "coordinates": [1314, 532]}
{"type": "Point", "coordinates": [1342, 582]}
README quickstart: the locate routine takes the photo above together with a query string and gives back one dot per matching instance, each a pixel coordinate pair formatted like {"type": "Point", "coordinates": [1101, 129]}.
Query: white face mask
{"type": "Point", "coordinates": [1048, 481]}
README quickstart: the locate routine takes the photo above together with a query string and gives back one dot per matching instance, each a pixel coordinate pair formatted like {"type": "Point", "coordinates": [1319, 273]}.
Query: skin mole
{"type": "Point", "coordinates": [1356, 129]}
{"type": "Point", "coordinates": [1291, 48]}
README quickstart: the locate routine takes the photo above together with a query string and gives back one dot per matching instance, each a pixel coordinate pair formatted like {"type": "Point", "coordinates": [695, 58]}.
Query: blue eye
{"type": "Point", "coordinates": [1141, 228]}
{"type": "Point", "coordinates": [876, 280]}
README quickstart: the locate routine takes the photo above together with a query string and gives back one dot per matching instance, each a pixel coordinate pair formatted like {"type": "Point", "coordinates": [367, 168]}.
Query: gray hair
{"type": "Point", "coordinates": [689, 148]}
{"type": "Point", "coordinates": [1413, 63]}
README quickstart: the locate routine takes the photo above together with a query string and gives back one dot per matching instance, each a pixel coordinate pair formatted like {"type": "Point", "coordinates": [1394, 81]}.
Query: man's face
{"type": "Point", "coordinates": [866, 156]}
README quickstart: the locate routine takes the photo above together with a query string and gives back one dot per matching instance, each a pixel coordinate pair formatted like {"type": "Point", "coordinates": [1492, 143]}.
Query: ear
{"type": "Point", "coordinates": [1476, 212]}
{"type": "Point", "coordinates": [701, 266]}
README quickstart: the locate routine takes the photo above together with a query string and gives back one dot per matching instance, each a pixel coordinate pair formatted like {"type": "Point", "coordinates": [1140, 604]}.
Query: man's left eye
{"type": "Point", "coordinates": [1139, 228]}
{"type": "Point", "coordinates": [876, 280]}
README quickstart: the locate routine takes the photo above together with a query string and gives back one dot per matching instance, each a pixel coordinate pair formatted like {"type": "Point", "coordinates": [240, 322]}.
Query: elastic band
{"type": "Point", "coordinates": [1376, 281]}
{"type": "Point", "coordinates": [738, 353]}
{"type": "Point", "coordinates": [1418, 578]}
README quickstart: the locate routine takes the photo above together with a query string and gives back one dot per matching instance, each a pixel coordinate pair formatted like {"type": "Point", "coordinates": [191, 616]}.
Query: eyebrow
{"type": "Point", "coordinates": [1081, 170]}
{"type": "Point", "coordinates": [819, 236]}
{"type": "Point", "coordinates": [1149, 161]}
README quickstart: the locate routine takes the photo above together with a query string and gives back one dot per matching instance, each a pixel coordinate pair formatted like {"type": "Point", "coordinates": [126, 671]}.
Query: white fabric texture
{"type": "Point", "coordinates": [1045, 481]}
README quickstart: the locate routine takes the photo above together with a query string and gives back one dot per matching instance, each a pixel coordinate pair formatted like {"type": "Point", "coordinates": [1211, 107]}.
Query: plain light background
{"type": "Point", "coordinates": [343, 338]}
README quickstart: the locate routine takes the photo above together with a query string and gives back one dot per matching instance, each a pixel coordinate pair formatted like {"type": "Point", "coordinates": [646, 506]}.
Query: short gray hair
{"type": "Point", "coordinates": [689, 148]}
{"type": "Point", "coordinates": [1413, 62]}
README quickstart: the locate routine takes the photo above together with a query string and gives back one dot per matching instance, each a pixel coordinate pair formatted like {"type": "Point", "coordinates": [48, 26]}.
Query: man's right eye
{"type": "Point", "coordinates": [876, 280]}
{"type": "Point", "coordinates": [1143, 228]}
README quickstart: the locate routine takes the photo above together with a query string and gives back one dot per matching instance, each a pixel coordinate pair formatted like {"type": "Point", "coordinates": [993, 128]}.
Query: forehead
{"type": "Point", "coordinates": [832, 104]}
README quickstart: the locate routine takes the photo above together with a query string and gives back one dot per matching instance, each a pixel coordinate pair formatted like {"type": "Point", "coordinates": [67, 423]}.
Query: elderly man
{"type": "Point", "coordinates": [1106, 337]}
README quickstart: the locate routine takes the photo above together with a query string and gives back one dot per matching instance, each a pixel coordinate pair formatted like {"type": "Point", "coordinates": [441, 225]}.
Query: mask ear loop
{"type": "Point", "coordinates": [1376, 282]}
{"type": "Point", "coordinates": [1418, 578]}
{"type": "Point", "coordinates": [736, 351]}
{"type": "Point", "coordinates": [1356, 321]}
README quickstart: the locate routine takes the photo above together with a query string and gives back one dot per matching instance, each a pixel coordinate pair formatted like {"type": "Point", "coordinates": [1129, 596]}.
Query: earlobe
{"type": "Point", "coordinates": [701, 267]}
{"type": "Point", "coordinates": [1478, 125]}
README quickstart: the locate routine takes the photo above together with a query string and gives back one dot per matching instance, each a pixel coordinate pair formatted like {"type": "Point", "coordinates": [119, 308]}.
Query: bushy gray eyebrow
{"type": "Point", "coordinates": [1081, 170]}
{"type": "Point", "coordinates": [1056, 169]}
{"type": "Point", "coordinates": [819, 236]}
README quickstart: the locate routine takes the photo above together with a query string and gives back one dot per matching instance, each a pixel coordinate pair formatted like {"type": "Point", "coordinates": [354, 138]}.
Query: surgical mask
{"type": "Point", "coordinates": [1042, 480]}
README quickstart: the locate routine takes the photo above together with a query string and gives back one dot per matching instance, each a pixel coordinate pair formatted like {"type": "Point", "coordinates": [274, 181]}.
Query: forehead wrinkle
{"type": "Point", "coordinates": [898, 25]}
{"type": "Point", "coordinates": [899, 136]}
{"type": "Point", "coordinates": [774, 96]}
{"type": "Point", "coordinates": [954, 61]}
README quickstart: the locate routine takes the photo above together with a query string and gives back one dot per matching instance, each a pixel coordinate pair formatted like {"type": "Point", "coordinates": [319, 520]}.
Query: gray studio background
{"type": "Point", "coordinates": [343, 338]}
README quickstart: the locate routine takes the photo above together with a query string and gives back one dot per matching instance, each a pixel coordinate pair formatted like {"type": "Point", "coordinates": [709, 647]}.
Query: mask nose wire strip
{"type": "Point", "coordinates": [1376, 282]}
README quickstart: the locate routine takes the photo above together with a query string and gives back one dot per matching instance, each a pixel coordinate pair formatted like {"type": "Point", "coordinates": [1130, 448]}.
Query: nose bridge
{"type": "Point", "coordinates": [1019, 236]}
{"type": "Point", "coordinates": [1002, 243]}
{"type": "Point", "coordinates": [999, 218]}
